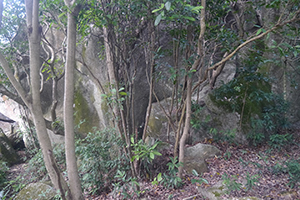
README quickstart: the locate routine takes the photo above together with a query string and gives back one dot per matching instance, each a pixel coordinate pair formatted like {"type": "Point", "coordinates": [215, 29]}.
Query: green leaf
{"type": "Point", "coordinates": [194, 181]}
{"type": "Point", "coordinates": [175, 16]}
{"type": "Point", "coordinates": [189, 18]}
{"type": "Point", "coordinates": [295, 53]}
{"type": "Point", "coordinates": [159, 178]}
{"type": "Point", "coordinates": [151, 155]}
{"type": "Point", "coordinates": [159, 48]}
{"type": "Point", "coordinates": [197, 8]}
{"type": "Point", "coordinates": [268, 36]}
{"type": "Point", "coordinates": [195, 172]}
{"type": "Point", "coordinates": [157, 153]}
{"type": "Point", "coordinates": [123, 93]}
{"type": "Point", "coordinates": [62, 14]}
{"type": "Point", "coordinates": [168, 5]}
{"type": "Point", "coordinates": [161, 7]}
{"type": "Point", "coordinates": [259, 31]}
{"type": "Point", "coordinates": [157, 20]}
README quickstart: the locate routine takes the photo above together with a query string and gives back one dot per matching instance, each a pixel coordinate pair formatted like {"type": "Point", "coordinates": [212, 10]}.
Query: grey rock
{"type": "Point", "coordinates": [7, 153]}
{"type": "Point", "coordinates": [195, 157]}
{"type": "Point", "coordinates": [36, 191]}
{"type": "Point", "coordinates": [216, 191]}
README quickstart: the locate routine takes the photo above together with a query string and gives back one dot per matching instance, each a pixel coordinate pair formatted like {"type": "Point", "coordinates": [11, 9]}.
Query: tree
{"type": "Point", "coordinates": [33, 101]}
{"type": "Point", "coordinates": [201, 58]}
{"type": "Point", "coordinates": [75, 186]}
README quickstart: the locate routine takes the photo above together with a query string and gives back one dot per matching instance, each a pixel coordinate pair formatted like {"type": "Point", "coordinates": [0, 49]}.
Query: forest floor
{"type": "Point", "coordinates": [264, 169]}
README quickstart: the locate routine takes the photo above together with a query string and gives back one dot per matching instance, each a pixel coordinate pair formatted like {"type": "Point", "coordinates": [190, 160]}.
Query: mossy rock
{"type": "Point", "coordinates": [7, 153]}
{"type": "Point", "coordinates": [217, 191]}
{"type": "Point", "coordinates": [85, 115]}
{"type": "Point", "coordinates": [40, 191]}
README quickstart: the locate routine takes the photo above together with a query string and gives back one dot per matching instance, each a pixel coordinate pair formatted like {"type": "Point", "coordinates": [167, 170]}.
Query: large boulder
{"type": "Point", "coordinates": [214, 116]}
{"type": "Point", "coordinates": [7, 153]}
{"type": "Point", "coordinates": [194, 157]}
{"type": "Point", "coordinates": [36, 191]}
{"type": "Point", "coordinates": [158, 122]}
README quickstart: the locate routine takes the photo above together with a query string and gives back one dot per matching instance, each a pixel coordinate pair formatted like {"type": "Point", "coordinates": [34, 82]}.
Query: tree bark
{"type": "Point", "coordinates": [72, 169]}
{"type": "Point", "coordinates": [151, 63]}
{"type": "Point", "coordinates": [34, 37]}
{"type": "Point", "coordinates": [200, 52]}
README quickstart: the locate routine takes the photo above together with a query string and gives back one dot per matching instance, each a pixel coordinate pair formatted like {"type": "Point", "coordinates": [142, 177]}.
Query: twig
{"type": "Point", "coordinates": [191, 197]}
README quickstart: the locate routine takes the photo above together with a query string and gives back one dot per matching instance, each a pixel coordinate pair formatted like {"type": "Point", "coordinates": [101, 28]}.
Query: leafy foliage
{"type": "Point", "coordinates": [100, 152]}
{"type": "Point", "coordinates": [176, 10]}
{"type": "Point", "coordinates": [279, 141]}
{"type": "Point", "coordinates": [292, 167]}
{"type": "Point", "coordinates": [223, 136]}
{"type": "Point", "coordinates": [170, 178]}
{"type": "Point", "coordinates": [231, 183]}
{"type": "Point", "coordinates": [198, 180]}
{"type": "Point", "coordinates": [124, 185]}
{"type": "Point", "coordinates": [3, 170]}
{"type": "Point", "coordinates": [250, 95]}
{"type": "Point", "coordinates": [251, 180]}
{"type": "Point", "coordinates": [196, 120]}
{"type": "Point", "coordinates": [144, 153]}
{"type": "Point", "coordinates": [36, 167]}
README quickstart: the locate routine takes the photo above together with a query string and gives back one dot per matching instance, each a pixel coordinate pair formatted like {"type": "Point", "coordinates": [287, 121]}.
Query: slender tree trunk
{"type": "Point", "coordinates": [186, 125]}
{"type": "Point", "coordinates": [151, 62]}
{"type": "Point", "coordinates": [200, 52]}
{"type": "Point", "coordinates": [72, 169]}
{"type": "Point", "coordinates": [34, 36]}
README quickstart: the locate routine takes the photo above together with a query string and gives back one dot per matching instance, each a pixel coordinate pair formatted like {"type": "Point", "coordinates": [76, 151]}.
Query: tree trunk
{"type": "Point", "coordinates": [200, 52]}
{"type": "Point", "coordinates": [151, 63]}
{"type": "Point", "coordinates": [34, 37]}
{"type": "Point", "coordinates": [72, 169]}
{"type": "Point", "coordinates": [186, 125]}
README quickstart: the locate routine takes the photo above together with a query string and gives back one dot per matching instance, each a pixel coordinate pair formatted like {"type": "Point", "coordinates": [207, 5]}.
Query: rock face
{"type": "Point", "coordinates": [213, 116]}
{"type": "Point", "coordinates": [39, 191]}
{"type": "Point", "coordinates": [195, 157]}
{"type": "Point", "coordinates": [158, 123]}
{"type": "Point", "coordinates": [7, 153]}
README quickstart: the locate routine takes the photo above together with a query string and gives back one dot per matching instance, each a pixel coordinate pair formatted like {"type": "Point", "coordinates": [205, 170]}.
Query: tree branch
{"type": "Point", "coordinates": [14, 81]}
{"type": "Point", "coordinates": [278, 25]}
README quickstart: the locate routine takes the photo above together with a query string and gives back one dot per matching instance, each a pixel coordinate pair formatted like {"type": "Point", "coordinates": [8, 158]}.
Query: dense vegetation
{"type": "Point", "coordinates": [153, 51]}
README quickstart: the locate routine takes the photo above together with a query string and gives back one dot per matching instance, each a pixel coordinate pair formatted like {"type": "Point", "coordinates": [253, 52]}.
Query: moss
{"type": "Point", "coordinates": [243, 96]}
{"type": "Point", "coordinates": [36, 191]}
{"type": "Point", "coordinates": [83, 113]}
{"type": "Point", "coordinates": [104, 106]}
{"type": "Point", "coordinates": [155, 125]}
{"type": "Point", "coordinates": [217, 194]}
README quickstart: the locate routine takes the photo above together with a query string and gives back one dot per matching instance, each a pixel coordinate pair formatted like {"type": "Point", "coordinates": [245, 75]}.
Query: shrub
{"type": "Point", "coordinates": [170, 178]}
{"type": "Point", "coordinates": [278, 141]}
{"type": "Point", "coordinates": [144, 153]}
{"type": "Point", "coordinates": [223, 136]}
{"type": "Point", "coordinates": [36, 166]}
{"type": "Point", "coordinates": [100, 157]}
{"type": "Point", "coordinates": [3, 172]}
{"type": "Point", "coordinates": [292, 167]}
{"type": "Point", "coordinates": [262, 112]}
